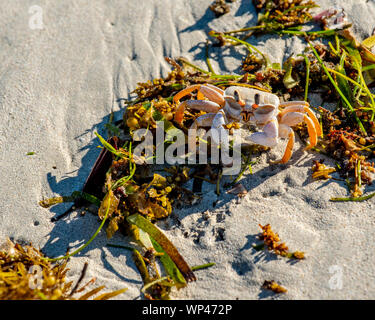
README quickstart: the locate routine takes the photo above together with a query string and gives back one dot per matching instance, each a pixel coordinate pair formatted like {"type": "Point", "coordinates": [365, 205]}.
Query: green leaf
{"type": "Point", "coordinates": [342, 83]}
{"type": "Point", "coordinates": [170, 266]}
{"type": "Point", "coordinates": [165, 243]}
{"type": "Point", "coordinates": [108, 146]}
{"type": "Point", "coordinates": [347, 103]}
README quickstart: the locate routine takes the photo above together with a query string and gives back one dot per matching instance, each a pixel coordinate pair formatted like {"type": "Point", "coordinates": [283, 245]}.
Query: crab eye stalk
{"type": "Point", "coordinates": [257, 98]}
{"type": "Point", "coordinates": [238, 99]}
{"type": "Point", "coordinates": [236, 95]}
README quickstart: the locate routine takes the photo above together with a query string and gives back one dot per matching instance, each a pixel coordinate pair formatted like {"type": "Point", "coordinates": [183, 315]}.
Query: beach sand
{"type": "Point", "coordinates": [60, 83]}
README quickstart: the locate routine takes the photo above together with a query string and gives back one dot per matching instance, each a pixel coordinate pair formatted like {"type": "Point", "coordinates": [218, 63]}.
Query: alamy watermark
{"type": "Point", "coordinates": [336, 280]}
{"type": "Point", "coordinates": [36, 277]}
{"type": "Point", "coordinates": [36, 17]}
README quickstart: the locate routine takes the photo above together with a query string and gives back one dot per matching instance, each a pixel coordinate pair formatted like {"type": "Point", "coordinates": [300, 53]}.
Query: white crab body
{"type": "Point", "coordinates": [249, 105]}
{"type": "Point", "coordinates": [259, 107]}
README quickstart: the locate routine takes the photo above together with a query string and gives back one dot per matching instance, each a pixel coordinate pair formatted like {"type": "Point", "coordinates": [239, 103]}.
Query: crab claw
{"type": "Point", "coordinates": [334, 18]}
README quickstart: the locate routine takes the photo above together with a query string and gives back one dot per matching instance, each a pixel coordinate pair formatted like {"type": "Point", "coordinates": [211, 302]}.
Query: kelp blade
{"type": "Point", "coordinates": [165, 243]}
{"type": "Point", "coordinates": [170, 266]}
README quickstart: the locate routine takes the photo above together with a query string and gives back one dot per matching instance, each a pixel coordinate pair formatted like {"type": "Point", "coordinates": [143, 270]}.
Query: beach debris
{"type": "Point", "coordinates": [220, 7]}
{"type": "Point", "coordinates": [129, 204]}
{"type": "Point", "coordinates": [273, 286]}
{"type": "Point", "coordinates": [272, 241]}
{"type": "Point", "coordinates": [320, 171]}
{"type": "Point", "coordinates": [26, 274]}
{"type": "Point", "coordinates": [166, 245]}
{"type": "Point", "coordinates": [238, 190]}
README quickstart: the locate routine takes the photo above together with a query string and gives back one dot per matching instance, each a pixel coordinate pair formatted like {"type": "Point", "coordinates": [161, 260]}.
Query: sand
{"type": "Point", "coordinates": [59, 84]}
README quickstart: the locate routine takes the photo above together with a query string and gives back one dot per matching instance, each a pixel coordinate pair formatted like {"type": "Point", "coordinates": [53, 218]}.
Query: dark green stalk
{"type": "Point", "coordinates": [247, 166]}
{"type": "Point", "coordinates": [244, 29]}
{"type": "Point", "coordinates": [183, 60]}
{"type": "Point", "coordinates": [88, 242]}
{"type": "Point", "coordinates": [120, 246]}
{"type": "Point", "coordinates": [364, 198]}
{"type": "Point", "coordinates": [209, 65]}
{"type": "Point", "coordinates": [213, 76]}
{"type": "Point", "coordinates": [307, 62]}
{"type": "Point", "coordinates": [359, 69]}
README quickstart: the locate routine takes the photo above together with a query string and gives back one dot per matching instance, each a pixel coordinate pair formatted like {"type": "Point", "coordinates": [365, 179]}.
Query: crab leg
{"type": "Point", "coordinates": [213, 94]}
{"type": "Point", "coordinates": [204, 105]}
{"type": "Point", "coordinates": [204, 120]}
{"type": "Point", "coordinates": [294, 103]}
{"type": "Point", "coordinates": [312, 132]}
{"type": "Point", "coordinates": [209, 91]}
{"type": "Point", "coordinates": [293, 118]}
{"type": "Point", "coordinates": [268, 137]}
{"type": "Point", "coordinates": [289, 146]}
{"type": "Point", "coordinates": [185, 92]}
{"type": "Point", "coordinates": [291, 107]}
{"type": "Point", "coordinates": [220, 134]}
{"type": "Point", "coordinates": [215, 88]}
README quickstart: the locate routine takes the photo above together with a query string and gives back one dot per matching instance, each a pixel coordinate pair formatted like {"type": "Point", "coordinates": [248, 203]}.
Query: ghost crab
{"type": "Point", "coordinates": [249, 105]}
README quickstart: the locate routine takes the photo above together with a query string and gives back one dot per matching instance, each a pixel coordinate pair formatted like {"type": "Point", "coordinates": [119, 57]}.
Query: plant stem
{"type": "Point", "coordinates": [244, 29]}
{"type": "Point", "coordinates": [353, 198]}
{"type": "Point", "coordinates": [209, 65]}
{"type": "Point", "coordinates": [88, 242]}
{"type": "Point", "coordinates": [359, 69]}
{"type": "Point", "coordinates": [307, 62]}
{"type": "Point", "coordinates": [203, 266]}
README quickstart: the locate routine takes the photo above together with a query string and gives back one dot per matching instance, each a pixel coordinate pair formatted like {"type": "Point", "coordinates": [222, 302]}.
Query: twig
{"type": "Point", "coordinates": [83, 273]}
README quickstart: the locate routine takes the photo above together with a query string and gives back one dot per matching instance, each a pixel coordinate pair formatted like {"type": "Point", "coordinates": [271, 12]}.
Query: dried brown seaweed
{"type": "Point", "coordinates": [273, 286]}
{"type": "Point", "coordinates": [273, 243]}
{"type": "Point", "coordinates": [25, 274]}
{"type": "Point", "coordinates": [320, 171]}
{"type": "Point", "coordinates": [219, 7]}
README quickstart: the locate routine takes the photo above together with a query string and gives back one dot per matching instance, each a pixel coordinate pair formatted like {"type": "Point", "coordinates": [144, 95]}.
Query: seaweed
{"type": "Point", "coordinates": [26, 274]}
{"type": "Point", "coordinates": [273, 286]}
{"type": "Point", "coordinates": [272, 242]}
{"type": "Point", "coordinates": [219, 8]}
{"type": "Point", "coordinates": [280, 17]}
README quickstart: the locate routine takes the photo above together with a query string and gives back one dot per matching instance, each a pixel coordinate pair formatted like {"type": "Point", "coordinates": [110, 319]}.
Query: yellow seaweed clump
{"type": "Point", "coordinates": [139, 116]}
{"type": "Point", "coordinates": [26, 274]}
{"type": "Point", "coordinates": [320, 171]}
{"type": "Point", "coordinates": [273, 286]}
{"type": "Point", "coordinates": [272, 242]}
